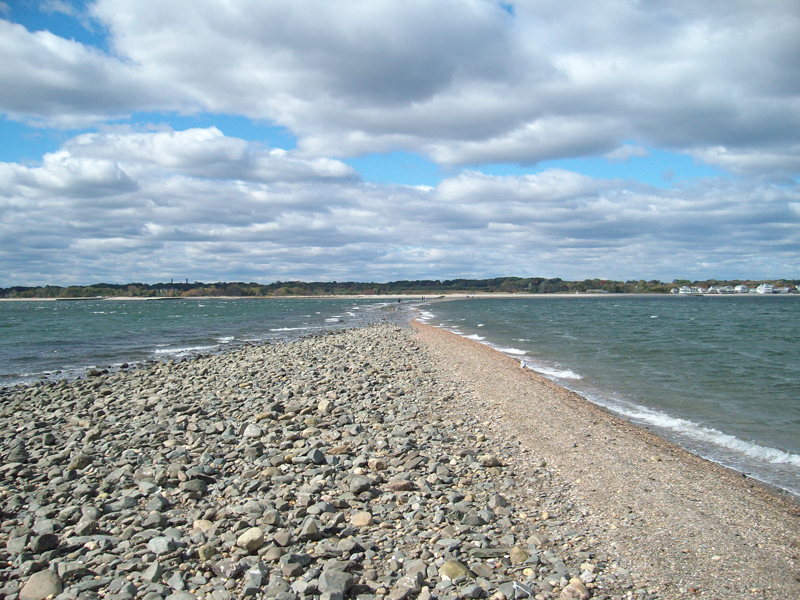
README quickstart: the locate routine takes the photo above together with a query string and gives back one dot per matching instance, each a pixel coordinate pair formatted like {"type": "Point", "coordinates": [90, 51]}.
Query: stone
{"type": "Point", "coordinates": [251, 540]}
{"type": "Point", "coordinates": [309, 532]}
{"type": "Point", "coordinates": [517, 555]}
{"type": "Point", "coordinates": [43, 543]}
{"type": "Point", "coordinates": [335, 582]}
{"type": "Point", "coordinates": [282, 538]}
{"type": "Point", "coordinates": [399, 485]}
{"type": "Point", "coordinates": [161, 545]}
{"type": "Point", "coordinates": [252, 431]}
{"type": "Point", "coordinates": [575, 590]}
{"type": "Point", "coordinates": [472, 591]}
{"type": "Point", "coordinates": [41, 585]}
{"type": "Point", "coordinates": [453, 569]}
{"type": "Point", "coordinates": [361, 519]}
{"type": "Point", "coordinates": [359, 483]}
{"type": "Point", "coordinates": [153, 573]}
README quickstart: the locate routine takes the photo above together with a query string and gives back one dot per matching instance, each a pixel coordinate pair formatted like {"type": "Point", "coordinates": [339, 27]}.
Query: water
{"type": "Point", "coordinates": [718, 375]}
{"type": "Point", "coordinates": [64, 339]}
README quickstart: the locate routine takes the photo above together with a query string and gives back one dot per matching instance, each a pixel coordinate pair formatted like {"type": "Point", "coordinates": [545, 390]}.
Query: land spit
{"type": "Point", "coordinates": [372, 463]}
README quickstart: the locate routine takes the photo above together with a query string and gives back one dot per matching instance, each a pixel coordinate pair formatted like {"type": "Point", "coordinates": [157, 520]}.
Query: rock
{"type": "Point", "coordinates": [489, 460]}
{"type": "Point", "coordinates": [43, 543]}
{"type": "Point", "coordinates": [41, 585]}
{"type": "Point", "coordinates": [309, 531]}
{"type": "Point", "coordinates": [252, 431]}
{"type": "Point", "coordinates": [472, 591]}
{"type": "Point", "coordinates": [161, 545]}
{"type": "Point", "coordinates": [251, 540]}
{"type": "Point", "coordinates": [453, 569]}
{"type": "Point", "coordinates": [517, 555]}
{"type": "Point", "coordinates": [399, 485]}
{"type": "Point", "coordinates": [335, 582]}
{"type": "Point", "coordinates": [359, 483]}
{"type": "Point", "coordinates": [575, 589]}
{"type": "Point", "coordinates": [361, 519]}
{"type": "Point", "coordinates": [282, 538]}
{"type": "Point", "coordinates": [153, 573]}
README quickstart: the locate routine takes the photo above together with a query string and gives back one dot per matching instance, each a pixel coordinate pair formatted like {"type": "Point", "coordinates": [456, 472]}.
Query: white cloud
{"type": "Point", "coordinates": [155, 205]}
{"type": "Point", "coordinates": [460, 80]}
{"type": "Point", "coordinates": [58, 6]}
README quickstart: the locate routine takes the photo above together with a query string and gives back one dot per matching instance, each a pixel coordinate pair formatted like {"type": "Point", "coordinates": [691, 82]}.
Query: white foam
{"type": "Point", "coordinates": [289, 328]}
{"type": "Point", "coordinates": [552, 373]}
{"type": "Point", "coordinates": [709, 435]}
{"type": "Point", "coordinates": [514, 351]}
{"type": "Point", "coordinates": [185, 350]}
{"type": "Point", "coordinates": [475, 337]}
{"type": "Point", "coordinates": [225, 339]}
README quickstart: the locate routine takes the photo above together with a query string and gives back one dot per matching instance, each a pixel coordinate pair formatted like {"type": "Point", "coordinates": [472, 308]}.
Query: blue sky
{"type": "Point", "coordinates": [397, 140]}
{"type": "Point", "coordinates": [660, 168]}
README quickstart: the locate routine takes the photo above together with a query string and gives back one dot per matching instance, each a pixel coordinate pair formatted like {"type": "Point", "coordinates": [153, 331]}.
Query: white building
{"type": "Point", "coordinates": [764, 288]}
{"type": "Point", "coordinates": [742, 289]}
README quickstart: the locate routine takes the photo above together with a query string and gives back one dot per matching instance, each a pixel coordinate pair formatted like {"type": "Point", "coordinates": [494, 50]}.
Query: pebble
{"type": "Point", "coordinates": [330, 467]}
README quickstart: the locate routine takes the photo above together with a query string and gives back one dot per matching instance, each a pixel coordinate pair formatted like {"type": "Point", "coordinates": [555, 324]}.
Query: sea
{"type": "Point", "coordinates": [718, 375]}
{"type": "Point", "coordinates": [47, 340]}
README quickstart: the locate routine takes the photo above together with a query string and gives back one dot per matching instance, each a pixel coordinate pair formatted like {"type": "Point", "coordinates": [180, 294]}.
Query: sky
{"type": "Point", "coordinates": [344, 140]}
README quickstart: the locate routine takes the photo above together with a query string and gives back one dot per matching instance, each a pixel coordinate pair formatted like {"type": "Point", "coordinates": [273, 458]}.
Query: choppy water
{"type": "Point", "coordinates": [63, 339]}
{"type": "Point", "coordinates": [718, 375]}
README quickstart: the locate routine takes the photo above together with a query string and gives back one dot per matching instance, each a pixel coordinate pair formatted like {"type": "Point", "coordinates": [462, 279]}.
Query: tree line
{"type": "Point", "coordinates": [421, 287]}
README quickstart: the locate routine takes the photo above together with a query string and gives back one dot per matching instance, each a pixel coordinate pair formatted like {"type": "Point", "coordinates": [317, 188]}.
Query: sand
{"type": "Point", "coordinates": [683, 526]}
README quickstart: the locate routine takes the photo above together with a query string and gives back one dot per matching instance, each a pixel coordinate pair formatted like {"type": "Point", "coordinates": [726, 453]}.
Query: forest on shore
{"type": "Point", "coordinates": [423, 287]}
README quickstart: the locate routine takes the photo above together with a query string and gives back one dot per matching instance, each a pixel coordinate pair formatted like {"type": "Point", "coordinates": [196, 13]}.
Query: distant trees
{"type": "Point", "coordinates": [422, 287]}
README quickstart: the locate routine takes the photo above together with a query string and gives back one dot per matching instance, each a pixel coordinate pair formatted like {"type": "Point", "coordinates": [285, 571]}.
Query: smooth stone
{"type": "Point", "coordinates": [251, 540]}
{"type": "Point", "coordinates": [41, 585]}
{"type": "Point", "coordinates": [361, 519]}
{"type": "Point", "coordinates": [575, 590]}
{"type": "Point", "coordinates": [517, 555]}
{"type": "Point", "coordinates": [453, 569]}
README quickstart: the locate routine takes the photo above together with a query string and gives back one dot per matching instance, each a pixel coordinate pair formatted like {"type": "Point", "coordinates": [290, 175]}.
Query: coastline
{"type": "Point", "coordinates": [681, 522]}
{"type": "Point", "coordinates": [385, 453]}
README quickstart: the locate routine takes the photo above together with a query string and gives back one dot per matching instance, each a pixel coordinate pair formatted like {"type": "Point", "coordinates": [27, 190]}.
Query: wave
{"type": "Point", "coordinates": [184, 350]}
{"type": "Point", "coordinates": [289, 328]}
{"type": "Point", "coordinates": [550, 372]}
{"type": "Point", "coordinates": [709, 435]}
{"type": "Point", "coordinates": [425, 316]}
{"type": "Point", "coordinates": [225, 339]}
{"type": "Point", "coordinates": [475, 337]}
{"type": "Point", "coordinates": [513, 351]}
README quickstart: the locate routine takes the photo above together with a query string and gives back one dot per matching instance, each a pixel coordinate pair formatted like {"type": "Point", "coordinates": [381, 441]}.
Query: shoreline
{"type": "Point", "coordinates": [388, 453]}
{"type": "Point", "coordinates": [615, 468]}
{"type": "Point", "coordinates": [415, 297]}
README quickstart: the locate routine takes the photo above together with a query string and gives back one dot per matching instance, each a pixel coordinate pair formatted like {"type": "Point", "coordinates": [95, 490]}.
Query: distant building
{"type": "Point", "coordinates": [742, 289]}
{"type": "Point", "coordinates": [764, 288]}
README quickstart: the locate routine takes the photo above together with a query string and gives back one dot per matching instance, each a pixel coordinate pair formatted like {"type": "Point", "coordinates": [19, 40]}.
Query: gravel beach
{"type": "Point", "coordinates": [382, 462]}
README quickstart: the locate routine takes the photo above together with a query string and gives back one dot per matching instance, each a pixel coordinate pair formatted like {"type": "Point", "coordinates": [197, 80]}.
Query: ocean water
{"type": "Point", "coordinates": [719, 375]}
{"type": "Point", "coordinates": [63, 339]}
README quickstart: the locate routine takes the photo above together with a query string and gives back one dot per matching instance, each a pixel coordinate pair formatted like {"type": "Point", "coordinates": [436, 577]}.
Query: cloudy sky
{"type": "Point", "coordinates": [377, 140]}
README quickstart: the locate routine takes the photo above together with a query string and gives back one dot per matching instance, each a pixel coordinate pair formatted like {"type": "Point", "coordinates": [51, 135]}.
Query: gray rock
{"type": "Point", "coordinates": [335, 581]}
{"type": "Point", "coordinates": [161, 545]}
{"type": "Point", "coordinates": [41, 585]}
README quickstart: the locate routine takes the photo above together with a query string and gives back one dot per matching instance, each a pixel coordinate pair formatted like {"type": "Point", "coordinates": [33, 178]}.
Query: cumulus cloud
{"type": "Point", "coordinates": [154, 205]}
{"type": "Point", "coordinates": [462, 81]}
